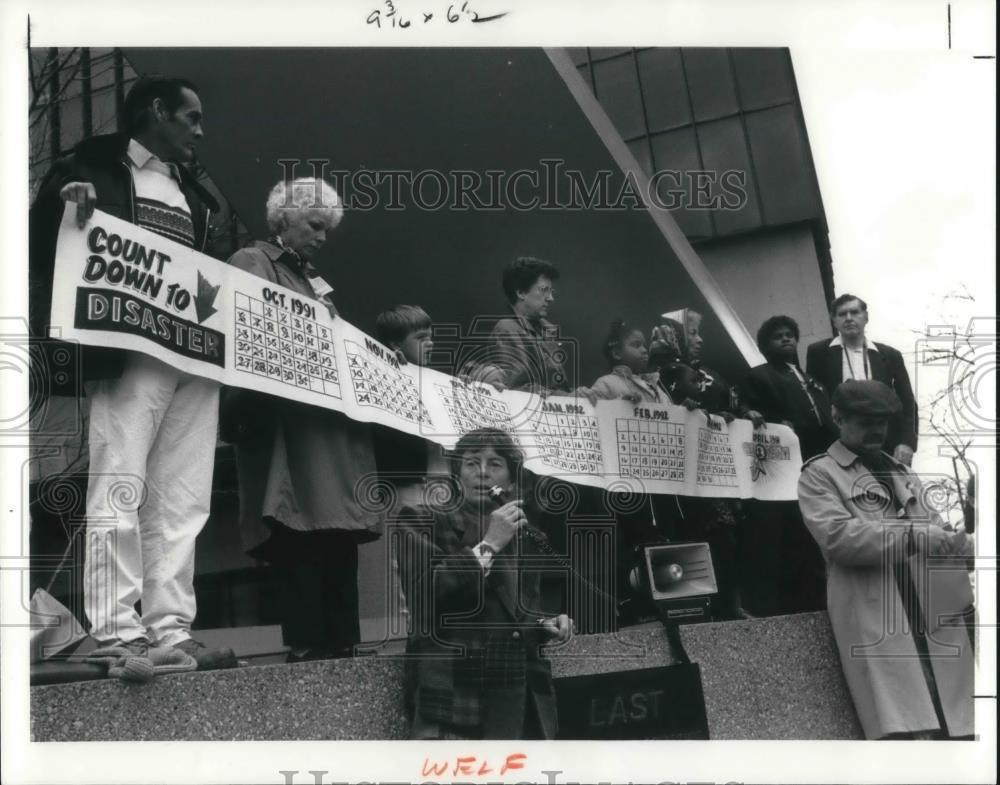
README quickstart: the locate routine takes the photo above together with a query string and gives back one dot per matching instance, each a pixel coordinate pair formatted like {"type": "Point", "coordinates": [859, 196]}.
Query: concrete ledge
{"type": "Point", "coordinates": [334, 699]}
{"type": "Point", "coordinates": [775, 678]}
{"type": "Point", "coordinates": [768, 678]}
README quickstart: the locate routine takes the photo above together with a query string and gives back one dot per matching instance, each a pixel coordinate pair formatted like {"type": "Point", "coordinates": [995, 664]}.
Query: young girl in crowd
{"type": "Point", "coordinates": [635, 525]}
{"type": "Point", "coordinates": [626, 353]}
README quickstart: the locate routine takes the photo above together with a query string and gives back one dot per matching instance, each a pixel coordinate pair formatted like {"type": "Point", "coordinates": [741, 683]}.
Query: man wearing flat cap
{"type": "Point", "coordinates": [898, 592]}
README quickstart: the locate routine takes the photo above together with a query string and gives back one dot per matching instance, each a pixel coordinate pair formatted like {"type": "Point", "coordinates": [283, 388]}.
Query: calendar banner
{"type": "Point", "coordinates": [661, 448]}
{"type": "Point", "coordinates": [120, 286]}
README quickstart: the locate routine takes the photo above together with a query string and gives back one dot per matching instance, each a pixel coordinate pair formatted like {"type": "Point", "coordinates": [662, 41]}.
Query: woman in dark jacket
{"type": "Point", "coordinates": [298, 464]}
{"type": "Point", "coordinates": [475, 670]}
{"type": "Point", "coordinates": [782, 567]}
{"type": "Point", "coordinates": [782, 392]}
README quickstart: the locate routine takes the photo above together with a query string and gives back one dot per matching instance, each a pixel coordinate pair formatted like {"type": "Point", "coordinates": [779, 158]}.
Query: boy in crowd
{"type": "Point", "coordinates": [402, 459]}
{"type": "Point", "coordinates": [406, 329]}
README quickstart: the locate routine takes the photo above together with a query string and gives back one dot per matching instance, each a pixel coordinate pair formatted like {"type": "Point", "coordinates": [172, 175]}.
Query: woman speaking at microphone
{"type": "Point", "coordinates": [474, 669]}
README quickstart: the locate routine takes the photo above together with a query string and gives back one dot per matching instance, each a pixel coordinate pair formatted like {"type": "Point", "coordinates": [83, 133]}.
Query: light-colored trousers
{"type": "Point", "coordinates": [152, 452]}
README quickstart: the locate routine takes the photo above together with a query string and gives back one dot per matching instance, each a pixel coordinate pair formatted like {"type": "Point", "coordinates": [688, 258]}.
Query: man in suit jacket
{"type": "Point", "coordinates": [853, 356]}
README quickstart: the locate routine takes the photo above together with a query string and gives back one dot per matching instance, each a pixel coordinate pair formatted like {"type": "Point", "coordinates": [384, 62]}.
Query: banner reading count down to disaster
{"type": "Point", "coordinates": [121, 286]}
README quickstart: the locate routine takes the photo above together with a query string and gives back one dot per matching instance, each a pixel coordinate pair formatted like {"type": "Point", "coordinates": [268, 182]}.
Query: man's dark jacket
{"type": "Point", "coordinates": [825, 364]}
{"type": "Point", "coordinates": [100, 160]}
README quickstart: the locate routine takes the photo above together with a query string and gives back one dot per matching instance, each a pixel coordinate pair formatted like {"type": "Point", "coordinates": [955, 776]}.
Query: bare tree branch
{"type": "Point", "coordinates": [38, 90]}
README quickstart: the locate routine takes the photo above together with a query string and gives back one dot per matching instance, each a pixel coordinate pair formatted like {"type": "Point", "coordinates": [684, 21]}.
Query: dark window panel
{"type": "Point", "coordinates": [86, 93]}
{"type": "Point", "coordinates": [578, 54]}
{"type": "Point", "coordinates": [103, 73]}
{"type": "Point", "coordinates": [724, 151]}
{"type": "Point", "coordinates": [663, 89]}
{"type": "Point", "coordinates": [70, 76]}
{"type": "Point", "coordinates": [640, 149]}
{"type": "Point", "coordinates": [71, 121]}
{"type": "Point", "coordinates": [38, 56]}
{"type": "Point", "coordinates": [599, 53]}
{"type": "Point", "coordinates": [764, 77]}
{"type": "Point", "coordinates": [677, 153]}
{"type": "Point", "coordinates": [104, 112]}
{"type": "Point", "coordinates": [785, 176]}
{"type": "Point", "coordinates": [710, 80]}
{"type": "Point", "coordinates": [618, 91]}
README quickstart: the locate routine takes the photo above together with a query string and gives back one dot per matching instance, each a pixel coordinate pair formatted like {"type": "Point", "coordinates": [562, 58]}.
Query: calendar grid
{"type": "Point", "coordinates": [273, 343]}
{"type": "Point", "coordinates": [650, 450]}
{"type": "Point", "coordinates": [570, 442]}
{"type": "Point", "coordinates": [716, 465]}
{"type": "Point", "coordinates": [471, 409]}
{"type": "Point", "coordinates": [378, 385]}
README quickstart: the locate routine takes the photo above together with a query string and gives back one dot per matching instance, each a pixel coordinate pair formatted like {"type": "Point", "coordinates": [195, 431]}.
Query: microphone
{"type": "Point", "coordinates": [498, 495]}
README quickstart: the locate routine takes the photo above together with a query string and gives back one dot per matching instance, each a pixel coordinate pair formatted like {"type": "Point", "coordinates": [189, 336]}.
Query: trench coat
{"type": "Point", "coordinates": [474, 660]}
{"type": "Point", "coordinates": [861, 537]}
{"type": "Point", "coordinates": [300, 465]}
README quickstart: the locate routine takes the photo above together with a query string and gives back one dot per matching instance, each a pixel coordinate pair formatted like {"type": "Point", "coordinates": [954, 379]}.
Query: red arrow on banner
{"type": "Point", "coordinates": [203, 302]}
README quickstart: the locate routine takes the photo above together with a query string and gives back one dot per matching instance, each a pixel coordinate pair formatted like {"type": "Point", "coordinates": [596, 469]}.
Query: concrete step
{"type": "Point", "coordinates": [774, 678]}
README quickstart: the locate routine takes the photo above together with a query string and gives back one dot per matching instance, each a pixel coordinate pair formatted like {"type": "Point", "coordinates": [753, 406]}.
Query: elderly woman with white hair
{"type": "Point", "coordinates": [298, 464]}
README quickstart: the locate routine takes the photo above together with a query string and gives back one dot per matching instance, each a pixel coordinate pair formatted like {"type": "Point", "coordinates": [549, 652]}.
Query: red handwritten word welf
{"type": "Point", "coordinates": [471, 766]}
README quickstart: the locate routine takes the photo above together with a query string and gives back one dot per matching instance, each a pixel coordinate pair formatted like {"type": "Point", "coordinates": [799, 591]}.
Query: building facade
{"type": "Point", "coordinates": [703, 112]}
{"type": "Point", "coordinates": [694, 114]}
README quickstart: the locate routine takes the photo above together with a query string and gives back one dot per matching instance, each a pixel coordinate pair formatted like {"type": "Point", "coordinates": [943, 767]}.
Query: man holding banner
{"type": "Point", "coordinates": [152, 427]}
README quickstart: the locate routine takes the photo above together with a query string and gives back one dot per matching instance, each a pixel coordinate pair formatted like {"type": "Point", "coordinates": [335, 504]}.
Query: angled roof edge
{"type": "Point", "coordinates": [668, 227]}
